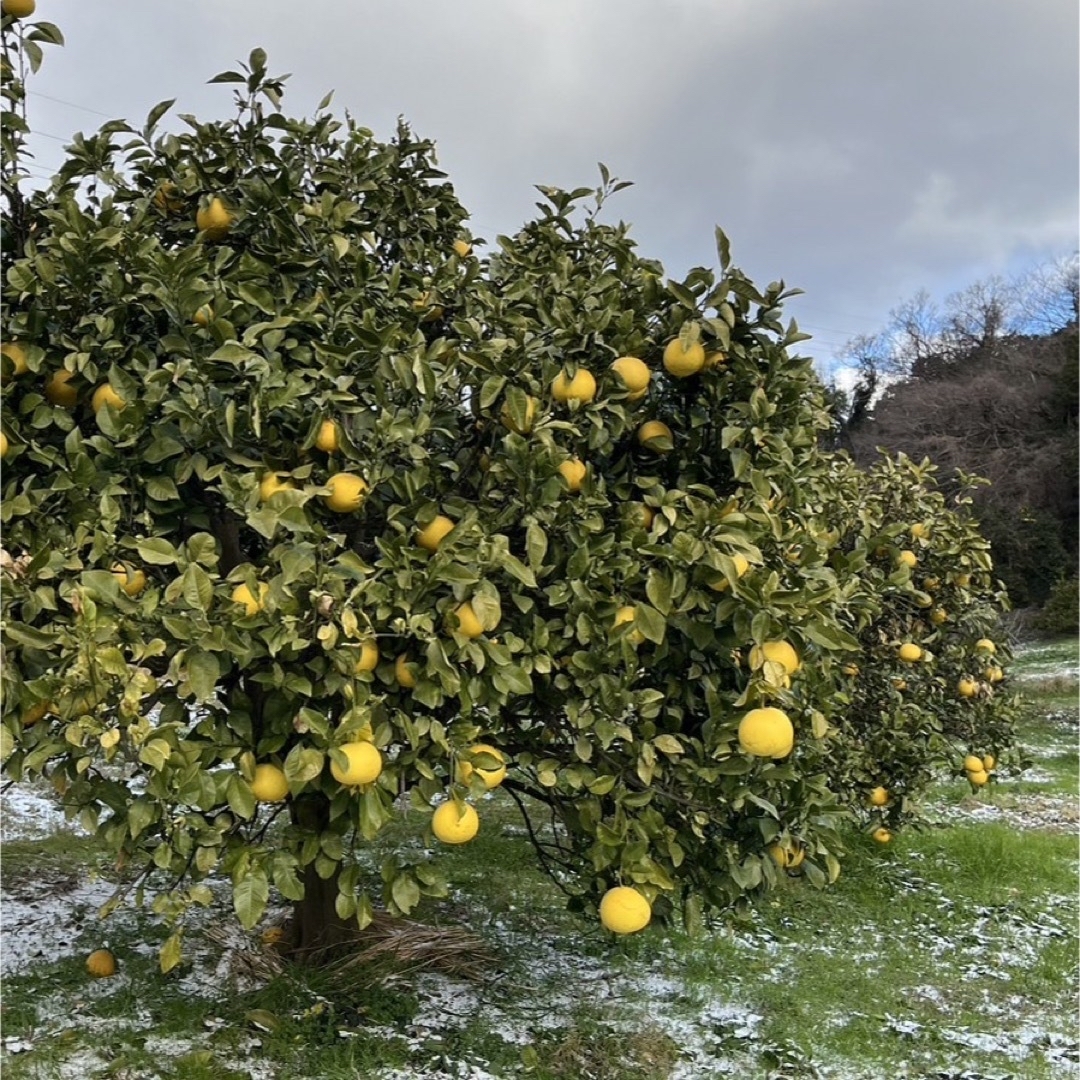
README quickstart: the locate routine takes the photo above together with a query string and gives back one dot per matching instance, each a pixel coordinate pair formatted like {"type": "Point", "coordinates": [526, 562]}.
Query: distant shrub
{"type": "Point", "coordinates": [1061, 612]}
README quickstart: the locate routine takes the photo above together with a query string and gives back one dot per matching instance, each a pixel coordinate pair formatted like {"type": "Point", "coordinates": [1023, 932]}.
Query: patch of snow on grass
{"type": "Point", "coordinates": [27, 813]}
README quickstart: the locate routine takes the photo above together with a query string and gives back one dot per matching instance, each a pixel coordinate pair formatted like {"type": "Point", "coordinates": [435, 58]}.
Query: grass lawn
{"type": "Point", "coordinates": [952, 954]}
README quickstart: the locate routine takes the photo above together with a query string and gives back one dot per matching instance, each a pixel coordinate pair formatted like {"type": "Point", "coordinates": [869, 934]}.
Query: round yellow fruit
{"type": "Point", "coordinates": [403, 673]}
{"type": "Point", "coordinates": [624, 910]}
{"type": "Point", "coordinates": [967, 688]}
{"type": "Point", "coordinates": [365, 764]}
{"type": "Point", "coordinates": [939, 616]}
{"type": "Point", "coordinates": [468, 625]}
{"type": "Point", "coordinates": [270, 485]}
{"type": "Point", "coordinates": [59, 391]}
{"type": "Point", "coordinates": [326, 438]}
{"type": "Point", "coordinates": [573, 472]}
{"type": "Point", "coordinates": [167, 198]}
{"type": "Point", "coordinates": [989, 761]}
{"type": "Point", "coordinates": [33, 713]}
{"type": "Point", "coordinates": [5, 446]}
{"type": "Point", "coordinates": [625, 614]}
{"type": "Point", "coordinates": [346, 492]}
{"type": "Point", "coordinates": [492, 777]}
{"type": "Point", "coordinates": [432, 534]}
{"type": "Point", "coordinates": [973, 763]}
{"type": "Point", "coordinates": [641, 514]}
{"type": "Point", "coordinates": [243, 595]}
{"type": "Point", "coordinates": [368, 659]}
{"type": "Point", "coordinates": [581, 388]}
{"type": "Point", "coordinates": [879, 796]}
{"type": "Point", "coordinates": [850, 669]}
{"type": "Point", "coordinates": [919, 531]}
{"type": "Point", "coordinates": [269, 784]}
{"type": "Point", "coordinates": [931, 584]}
{"type": "Point", "coordinates": [766, 733]}
{"type": "Point", "coordinates": [778, 652]}
{"type": "Point", "coordinates": [714, 360]}
{"type": "Point", "coordinates": [986, 645]}
{"type": "Point", "coordinates": [653, 430]}
{"type": "Point", "coordinates": [635, 376]}
{"type": "Point", "coordinates": [979, 777]}
{"type": "Point", "coordinates": [14, 351]}
{"type": "Point", "coordinates": [100, 964]}
{"type": "Point", "coordinates": [462, 249]}
{"type": "Point", "coordinates": [909, 652]}
{"type": "Point", "coordinates": [787, 858]}
{"type": "Point", "coordinates": [131, 581]}
{"type": "Point", "coordinates": [214, 220]}
{"type": "Point", "coordinates": [453, 823]}
{"type": "Point", "coordinates": [881, 835]}
{"type": "Point", "coordinates": [742, 565]}
{"type": "Point", "coordinates": [204, 316]}
{"type": "Point", "coordinates": [682, 363]}
{"type": "Point", "coordinates": [993, 674]}
{"type": "Point", "coordinates": [908, 559]}
{"type": "Point", "coordinates": [530, 417]}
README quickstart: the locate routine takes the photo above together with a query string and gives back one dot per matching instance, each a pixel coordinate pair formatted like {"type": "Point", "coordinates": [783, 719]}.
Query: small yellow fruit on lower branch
{"type": "Point", "coordinates": [453, 823]}
{"type": "Point", "coordinates": [986, 645]}
{"type": "Point", "coordinates": [243, 595]}
{"type": "Point", "coordinates": [492, 776]}
{"type": "Point", "coordinates": [365, 764]}
{"type": "Point", "coordinates": [326, 438]}
{"type": "Point", "coordinates": [881, 835]}
{"type": "Point", "coordinates": [624, 910]}
{"type": "Point", "coordinates": [682, 363]}
{"type": "Point", "coordinates": [978, 778]}
{"type": "Point", "coordinates": [269, 784]}
{"type": "Point", "coordinates": [766, 733]}
{"type": "Point", "coordinates": [581, 388]}
{"type": "Point", "coordinates": [879, 796]}
{"type": "Point", "coordinates": [101, 964]}
{"type": "Point", "coordinates": [910, 653]}
{"type": "Point", "coordinates": [973, 763]}
{"type": "Point", "coordinates": [346, 492]}
{"type": "Point", "coordinates": [573, 472]}
{"type": "Point", "coordinates": [58, 390]}
{"type": "Point", "coordinates": [403, 673]}
{"type": "Point", "coordinates": [132, 581]}
{"type": "Point", "coordinates": [204, 316]}
{"type": "Point", "coordinates": [368, 659]}
{"type": "Point", "coordinates": [908, 559]}
{"type": "Point", "coordinates": [625, 614]}
{"type": "Point", "coordinates": [777, 652]}
{"type": "Point", "coordinates": [967, 688]}
{"type": "Point", "coordinates": [468, 625]}
{"type": "Point", "coordinates": [432, 534]}
{"type": "Point", "coordinates": [787, 858]}
{"type": "Point", "coordinates": [993, 674]}
{"type": "Point", "coordinates": [635, 376]}
{"type": "Point", "coordinates": [989, 761]}
{"type": "Point", "coordinates": [654, 434]}
{"type": "Point", "coordinates": [106, 395]}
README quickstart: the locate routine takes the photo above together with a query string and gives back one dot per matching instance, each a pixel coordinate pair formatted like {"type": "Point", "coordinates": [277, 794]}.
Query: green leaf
{"type": "Point", "coordinates": [536, 545]}
{"type": "Point", "coordinates": [650, 622]}
{"type": "Point", "coordinates": [405, 892]}
{"type": "Point", "coordinates": [250, 895]}
{"type": "Point", "coordinates": [155, 753]}
{"type": "Point", "coordinates": [157, 551]}
{"type": "Point", "coordinates": [658, 590]}
{"type": "Point", "coordinates": [202, 673]}
{"type": "Point", "coordinates": [304, 764]}
{"type": "Point", "coordinates": [170, 954]}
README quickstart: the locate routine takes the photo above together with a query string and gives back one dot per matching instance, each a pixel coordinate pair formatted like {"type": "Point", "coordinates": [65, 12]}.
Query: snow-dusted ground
{"type": "Point", "coordinates": [1046, 660]}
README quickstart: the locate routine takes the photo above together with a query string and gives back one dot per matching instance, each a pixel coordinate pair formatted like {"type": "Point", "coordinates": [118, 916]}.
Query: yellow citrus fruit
{"type": "Point", "coordinates": [214, 220]}
{"type": "Point", "coordinates": [624, 910]}
{"type": "Point", "coordinates": [651, 432]}
{"type": "Point", "coordinates": [778, 652]}
{"type": "Point", "coordinates": [881, 835]}
{"type": "Point", "coordinates": [766, 733]}
{"type": "Point", "coordinates": [993, 674]}
{"type": "Point", "coordinates": [346, 492]}
{"type": "Point", "coordinates": [5, 446]}
{"type": "Point", "coordinates": [641, 514]}
{"type": "Point", "coordinates": [963, 580]}
{"type": "Point", "coordinates": [14, 351]}
{"type": "Point", "coordinates": [978, 777]}
{"type": "Point", "coordinates": [167, 198]}
{"type": "Point", "coordinates": [919, 531]}
{"type": "Point", "coordinates": [581, 388]}
{"type": "Point", "coordinates": [908, 559]}
{"type": "Point", "coordinates": [270, 485]}
{"type": "Point", "coordinates": [931, 584]}
{"type": "Point", "coordinates": [403, 673]}
{"type": "Point", "coordinates": [468, 625]}
{"type": "Point", "coordinates": [269, 784]}
{"type": "Point", "coordinates": [432, 534]}
{"type": "Point", "coordinates": [986, 645]}
{"type": "Point", "coordinates": [369, 656]}
{"type": "Point", "coordinates": [939, 616]}
{"type": "Point", "coordinates": [967, 687]}
{"type": "Point", "coordinates": [462, 248]}
{"type": "Point", "coordinates": [453, 823]}
{"type": "Point", "coordinates": [742, 565]}
{"type": "Point", "coordinates": [625, 614]}
{"type": "Point", "coordinates": [973, 763]}
{"type": "Point", "coordinates": [101, 964]}
{"type": "Point", "coordinates": [530, 417]}
{"type": "Point", "coordinates": [326, 438]}
{"type": "Point", "coordinates": [682, 363]}
{"type": "Point", "coordinates": [573, 472]}
{"type": "Point", "coordinates": [879, 796]}
{"type": "Point", "coordinates": [989, 761]}
{"type": "Point", "coordinates": [909, 652]}
{"type": "Point", "coordinates": [59, 391]}
{"type": "Point", "coordinates": [900, 684]}
{"type": "Point", "coordinates": [38, 711]}
{"type": "Point", "coordinates": [243, 595]}
{"type": "Point", "coordinates": [204, 316]}
{"type": "Point", "coordinates": [850, 669]}
{"type": "Point", "coordinates": [365, 764]}
{"type": "Point", "coordinates": [273, 935]}
{"type": "Point", "coordinates": [714, 360]}
{"type": "Point", "coordinates": [787, 857]}
{"type": "Point", "coordinates": [132, 581]}
{"type": "Point", "coordinates": [635, 376]}
{"type": "Point", "coordinates": [492, 777]}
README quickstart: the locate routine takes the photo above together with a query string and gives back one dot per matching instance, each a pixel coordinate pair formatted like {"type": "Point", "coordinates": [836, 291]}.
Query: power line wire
{"type": "Point", "coordinates": [70, 104]}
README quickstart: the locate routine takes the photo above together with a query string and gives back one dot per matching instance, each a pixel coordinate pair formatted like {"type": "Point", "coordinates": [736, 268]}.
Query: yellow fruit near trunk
{"type": "Point", "coordinates": [879, 796]}
{"type": "Point", "coordinates": [682, 363]}
{"type": "Point", "coordinates": [652, 433]}
{"type": "Point", "coordinates": [453, 823]}
{"type": "Point", "coordinates": [59, 390]}
{"type": "Point", "coordinates": [467, 622]}
{"type": "Point", "coordinates": [624, 910]}
{"type": "Point", "coordinates": [492, 777]}
{"type": "Point", "coordinates": [269, 784]}
{"type": "Point", "coordinates": [369, 657]}
{"type": "Point", "coordinates": [573, 472]}
{"type": "Point", "coordinates": [365, 764]}
{"type": "Point", "coordinates": [403, 673]}
{"type": "Point", "coordinates": [243, 595]}
{"type": "Point", "coordinates": [635, 376]}
{"type": "Point", "coordinates": [432, 534]}
{"type": "Point", "coordinates": [100, 964]}
{"type": "Point", "coordinates": [346, 492]}
{"type": "Point", "coordinates": [132, 581]}
{"type": "Point", "coordinates": [214, 220]}
{"type": "Point", "coordinates": [909, 652]}
{"type": "Point", "coordinates": [326, 438]}
{"type": "Point", "coordinates": [778, 652]}
{"type": "Point", "coordinates": [581, 388]}
{"type": "Point", "coordinates": [766, 733]}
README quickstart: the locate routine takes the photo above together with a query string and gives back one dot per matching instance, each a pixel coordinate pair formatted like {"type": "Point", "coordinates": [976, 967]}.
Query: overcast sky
{"type": "Point", "coordinates": [858, 149]}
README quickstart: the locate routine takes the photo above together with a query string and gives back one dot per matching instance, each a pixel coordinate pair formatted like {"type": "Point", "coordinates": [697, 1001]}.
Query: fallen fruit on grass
{"type": "Point", "coordinates": [365, 764]}
{"type": "Point", "coordinates": [269, 783]}
{"type": "Point", "coordinates": [101, 964]}
{"type": "Point", "coordinates": [882, 835]}
{"type": "Point", "coordinates": [624, 910]}
{"type": "Point", "coordinates": [454, 823]}
{"type": "Point", "coordinates": [766, 733]}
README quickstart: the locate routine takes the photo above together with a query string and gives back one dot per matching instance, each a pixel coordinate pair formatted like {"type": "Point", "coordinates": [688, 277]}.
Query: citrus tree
{"type": "Point", "coordinates": [314, 519]}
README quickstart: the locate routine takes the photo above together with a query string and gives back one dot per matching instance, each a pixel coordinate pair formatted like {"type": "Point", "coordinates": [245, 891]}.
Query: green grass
{"type": "Point", "coordinates": [943, 952]}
